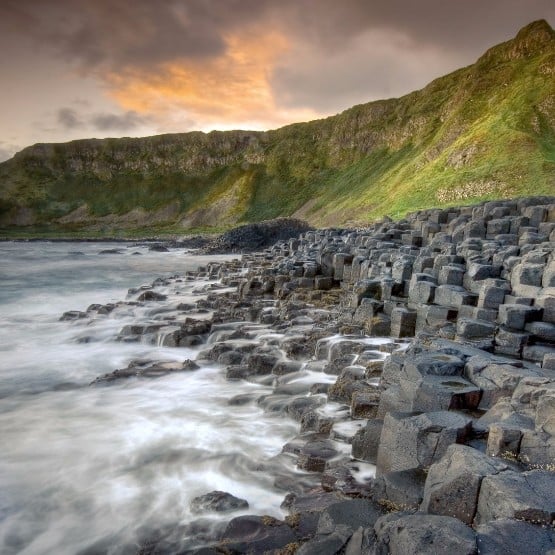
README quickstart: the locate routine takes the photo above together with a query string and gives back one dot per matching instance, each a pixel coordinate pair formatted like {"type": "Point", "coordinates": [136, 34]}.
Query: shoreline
{"type": "Point", "coordinates": [456, 413]}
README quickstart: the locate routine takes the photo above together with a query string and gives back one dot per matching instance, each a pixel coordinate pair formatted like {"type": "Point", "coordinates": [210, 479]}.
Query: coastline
{"type": "Point", "coordinates": [459, 422]}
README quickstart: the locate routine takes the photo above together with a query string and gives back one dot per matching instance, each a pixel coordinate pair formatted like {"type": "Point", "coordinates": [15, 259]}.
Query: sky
{"type": "Point", "coordinates": [109, 68]}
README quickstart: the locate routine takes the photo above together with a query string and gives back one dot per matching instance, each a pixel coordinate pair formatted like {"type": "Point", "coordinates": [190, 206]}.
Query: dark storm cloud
{"type": "Point", "coordinates": [271, 62]}
{"type": "Point", "coordinates": [69, 119]}
{"type": "Point", "coordinates": [142, 32]}
{"type": "Point", "coordinates": [117, 33]}
{"type": "Point", "coordinates": [118, 122]}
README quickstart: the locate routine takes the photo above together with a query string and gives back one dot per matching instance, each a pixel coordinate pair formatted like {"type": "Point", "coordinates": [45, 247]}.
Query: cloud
{"type": "Point", "coordinates": [229, 90]}
{"type": "Point", "coordinates": [7, 150]}
{"type": "Point", "coordinates": [118, 122]}
{"type": "Point", "coordinates": [69, 119]}
{"type": "Point", "coordinates": [255, 63]}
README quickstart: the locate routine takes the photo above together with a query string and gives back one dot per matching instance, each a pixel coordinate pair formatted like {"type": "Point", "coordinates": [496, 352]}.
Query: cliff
{"type": "Point", "coordinates": [484, 131]}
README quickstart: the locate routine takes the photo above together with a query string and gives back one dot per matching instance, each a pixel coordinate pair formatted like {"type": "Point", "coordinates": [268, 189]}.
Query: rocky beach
{"type": "Point", "coordinates": [417, 359]}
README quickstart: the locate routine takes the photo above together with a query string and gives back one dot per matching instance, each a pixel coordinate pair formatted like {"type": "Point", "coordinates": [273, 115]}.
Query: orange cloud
{"type": "Point", "coordinates": [229, 91]}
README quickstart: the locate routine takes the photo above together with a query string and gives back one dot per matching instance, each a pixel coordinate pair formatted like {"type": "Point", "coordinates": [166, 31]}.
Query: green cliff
{"type": "Point", "coordinates": [484, 131]}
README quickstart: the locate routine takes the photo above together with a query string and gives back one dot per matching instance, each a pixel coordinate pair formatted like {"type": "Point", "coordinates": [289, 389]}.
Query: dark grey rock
{"type": "Point", "coordinates": [403, 489]}
{"type": "Point", "coordinates": [522, 496]}
{"type": "Point", "coordinates": [314, 455]}
{"type": "Point", "coordinates": [351, 513]}
{"type": "Point", "coordinates": [366, 441]}
{"type": "Point", "coordinates": [453, 483]}
{"type": "Point", "coordinates": [403, 322]}
{"type": "Point", "coordinates": [516, 316]}
{"type": "Point", "coordinates": [454, 296]}
{"type": "Point", "coordinates": [421, 534]}
{"type": "Point", "coordinates": [257, 534]}
{"type": "Point", "coordinates": [151, 296]}
{"type": "Point", "coordinates": [217, 501]}
{"type": "Point", "coordinates": [418, 441]}
{"type": "Point", "coordinates": [514, 537]}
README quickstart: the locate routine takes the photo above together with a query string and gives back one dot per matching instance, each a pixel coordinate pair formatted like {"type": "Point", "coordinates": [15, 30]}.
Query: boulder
{"type": "Point", "coordinates": [520, 495]}
{"type": "Point", "coordinates": [217, 501]}
{"type": "Point", "coordinates": [257, 534]}
{"type": "Point", "coordinates": [408, 441]}
{"type": "Point", "coordinates": [514, 537]}
{"type": "Point", "coordinates": [366, 441]}
{"type": "Point", "coordinates": [421, 534]}
{"type": "Point", "coordinates": [453, 483]}
{"type": "Point", "coordinates": [351, 513]}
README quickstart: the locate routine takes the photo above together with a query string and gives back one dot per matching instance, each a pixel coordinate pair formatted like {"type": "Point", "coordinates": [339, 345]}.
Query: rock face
{"type": "Point", "coordinates": [456, 410]}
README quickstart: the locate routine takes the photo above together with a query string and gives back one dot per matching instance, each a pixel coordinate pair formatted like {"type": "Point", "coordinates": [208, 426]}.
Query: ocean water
{"type": "Point", "coordinates": [97, 469]}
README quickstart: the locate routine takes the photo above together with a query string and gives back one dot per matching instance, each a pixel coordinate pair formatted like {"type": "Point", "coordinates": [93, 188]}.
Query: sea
{"type": "Point", "coordinates": [97, 469]}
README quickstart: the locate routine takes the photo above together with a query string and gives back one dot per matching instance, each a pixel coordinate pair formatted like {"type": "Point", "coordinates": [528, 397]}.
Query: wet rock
{"type": "Point", "coordinates": [256, 534]}
{"type": "Point", "coordinates": [217, 501]}
{"type": "Point", "coordinates": [146, 369]}
{"type": "Point", "coordinates": [73, 315]}
{"type": "Point", "coordinates": [314, 455]}
{"type": "Point", "coordinates": [151, 296]}
{"type": "Point", "coordinates": [366, 441]}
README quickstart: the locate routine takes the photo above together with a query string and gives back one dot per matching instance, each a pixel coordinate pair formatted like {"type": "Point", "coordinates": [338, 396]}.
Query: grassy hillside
{"type": "Point", "coordinates": [484, 131]}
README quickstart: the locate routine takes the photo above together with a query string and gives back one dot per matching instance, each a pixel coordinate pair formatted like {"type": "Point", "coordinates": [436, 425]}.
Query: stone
{"type": "Point", "coordinates": [525, 277]}
{"type": "Point", "coordinates": [403, 322]}
{"type": "Point", "coordinates": [514, 537]}
{"type": "Point", "coordinates": [509, 342]}
{"type": "Point", "coordinates": [435, 393]}
{"type": "Point", "coordinates": [217, 501]}
{"type": "Point", "coordinates": [545, 413]}
{"type": "Point", "coordinates": [323, 283]}
{"type": "Point", "coordinates": [257, 534]}
{"type": "Point", "coordinates": [409, 441]}
{"type": "Point", "coordinates": [328, 544]}
{"type": "Point", "coordinates": [516, 316]}
{"type": "Point", "coordinates": [541, 331]}
{"type": "Point", "coordinates": [297, 407]}
{"type": "Point", "coordinates": [421, 534]}
{"type": "Point", "coordinates": [151, 296]}
{"type": "Point", "coordinates": [403, 489]}
{"type": "Point", "coordinates": [468, 328]}
{"type": "Point", "coordinates": [422, 292]}
{"type": "Point", "coordinates": [262, 363]}
{"type": "Point", "coordinates": [454, 296]}
{"type": "Point", "coordinates": [503, 440]}
{"type": "Point", "coordinates": [430, 364]}
{"type": "Point", "coordinates": [537, 449]}
{"type": "Point", "coordinates": [451, 275]}
{"type": "Point", "coordinates": [475, 275]}
{"type": "Point", "coordinates": [520, 495]}
{"type": "Point", "coordinates": [453, 483]}
{"type": "Point", "coordinates": [351, 513]}
{"type": "Point", "coordinates": [364, 404]}
{"type": "Point", "coordinates": [366, 441]}
{"type": "Point", "coordinates": [496, 380]}
{"type": "Point", "coordinates": [314, 455]}
{"type": "Point", "coordinates": [491, 296]}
